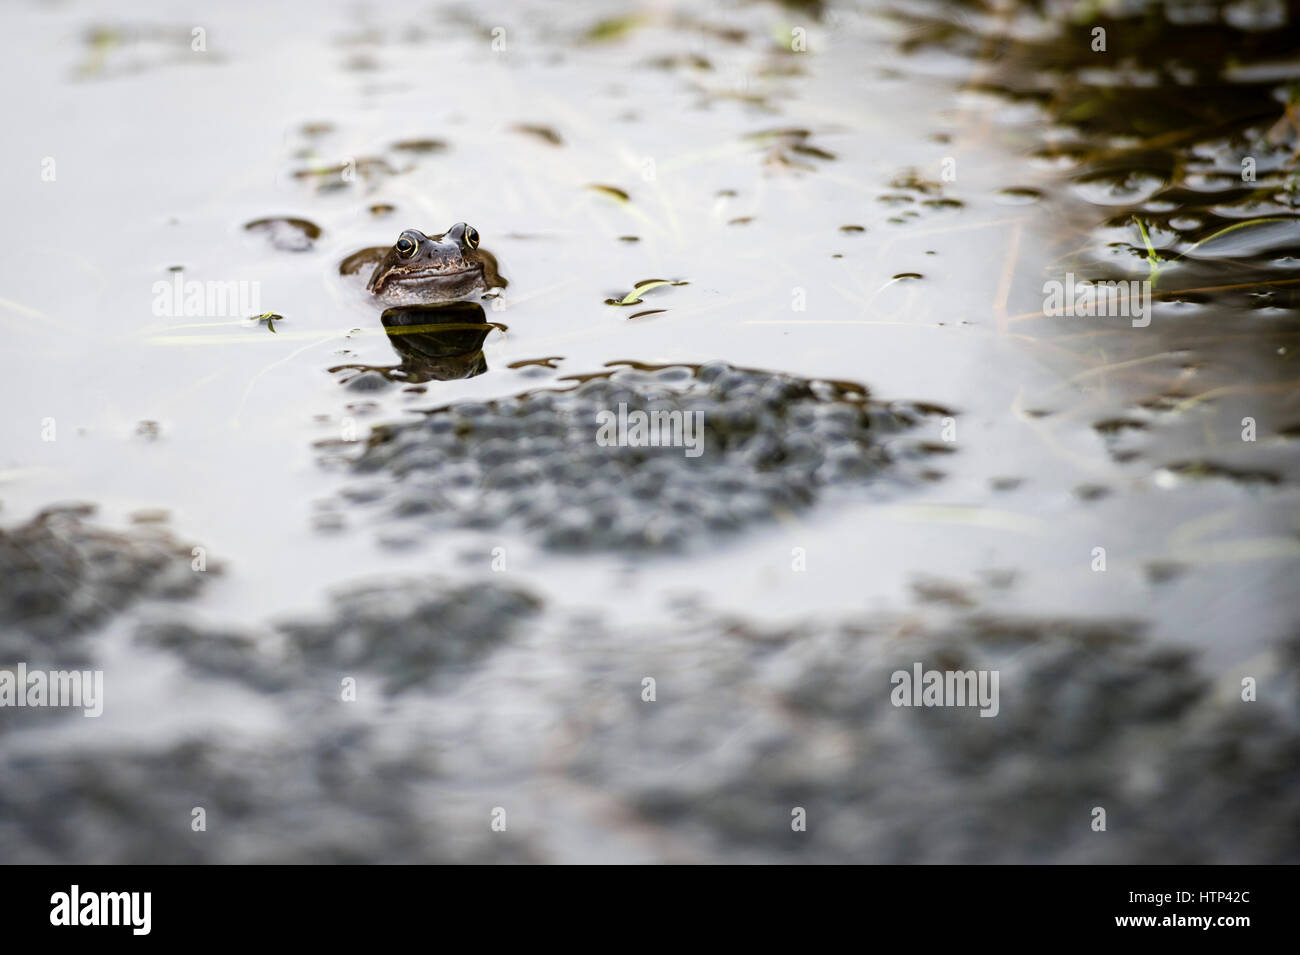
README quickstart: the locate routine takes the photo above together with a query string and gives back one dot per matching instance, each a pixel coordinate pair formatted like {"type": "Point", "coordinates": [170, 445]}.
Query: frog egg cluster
{"type": "Point", "coordinates": [767, 444]}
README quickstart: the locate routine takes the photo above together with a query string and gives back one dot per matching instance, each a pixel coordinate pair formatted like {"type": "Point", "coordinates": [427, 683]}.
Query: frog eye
{"type": "Point", "coordinates": [406, 246]}
{"type": "Point", "coordinates": [471, 237]}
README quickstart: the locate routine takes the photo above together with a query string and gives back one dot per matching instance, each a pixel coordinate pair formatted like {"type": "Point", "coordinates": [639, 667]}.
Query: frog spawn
{"type": "Point", "coordinates": [768, 445]}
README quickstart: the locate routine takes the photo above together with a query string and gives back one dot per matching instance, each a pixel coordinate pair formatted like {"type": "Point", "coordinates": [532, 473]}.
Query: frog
{"type": "Point", "coordinates": [420, 269]}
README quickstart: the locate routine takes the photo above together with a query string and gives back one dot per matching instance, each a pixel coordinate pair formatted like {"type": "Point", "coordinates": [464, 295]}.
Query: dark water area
{"type": "Point", "coordinates": [972, 327]}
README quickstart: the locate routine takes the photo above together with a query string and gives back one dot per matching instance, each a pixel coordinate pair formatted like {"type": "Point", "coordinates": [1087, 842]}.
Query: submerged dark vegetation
{"type": "Point", "coordinates": [1182, 122]}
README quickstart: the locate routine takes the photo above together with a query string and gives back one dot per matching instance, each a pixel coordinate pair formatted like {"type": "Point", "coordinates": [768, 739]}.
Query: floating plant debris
{"type": "Point", "coordinates": [612, 191]}
{"type": "Point", "coordinates": [286, 234]}
{"type": "Point", "coordinates": [545, 133]}
{"type": "Point", "coordinates": [634, 297]}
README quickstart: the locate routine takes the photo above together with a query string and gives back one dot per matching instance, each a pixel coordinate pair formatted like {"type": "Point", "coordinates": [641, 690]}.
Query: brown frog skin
{"type": "Point", "coordinates": [430, 269]}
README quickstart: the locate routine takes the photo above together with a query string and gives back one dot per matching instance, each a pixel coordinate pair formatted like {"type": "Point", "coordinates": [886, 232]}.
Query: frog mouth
{"type": "Point", "coordinates": [428, 274]}
{"type": "Point", "coordinates": [427, 277]}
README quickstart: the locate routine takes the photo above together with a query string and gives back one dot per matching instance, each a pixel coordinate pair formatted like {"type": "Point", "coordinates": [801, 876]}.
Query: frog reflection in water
{"type": "Point", "coordinates": [422, 269]}
{"type": "Point", "coordinates": [434, 343]}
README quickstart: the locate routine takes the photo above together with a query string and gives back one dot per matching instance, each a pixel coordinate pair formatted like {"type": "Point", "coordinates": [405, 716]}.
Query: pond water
{"type": "Point", "coordinates": [871, 202]}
